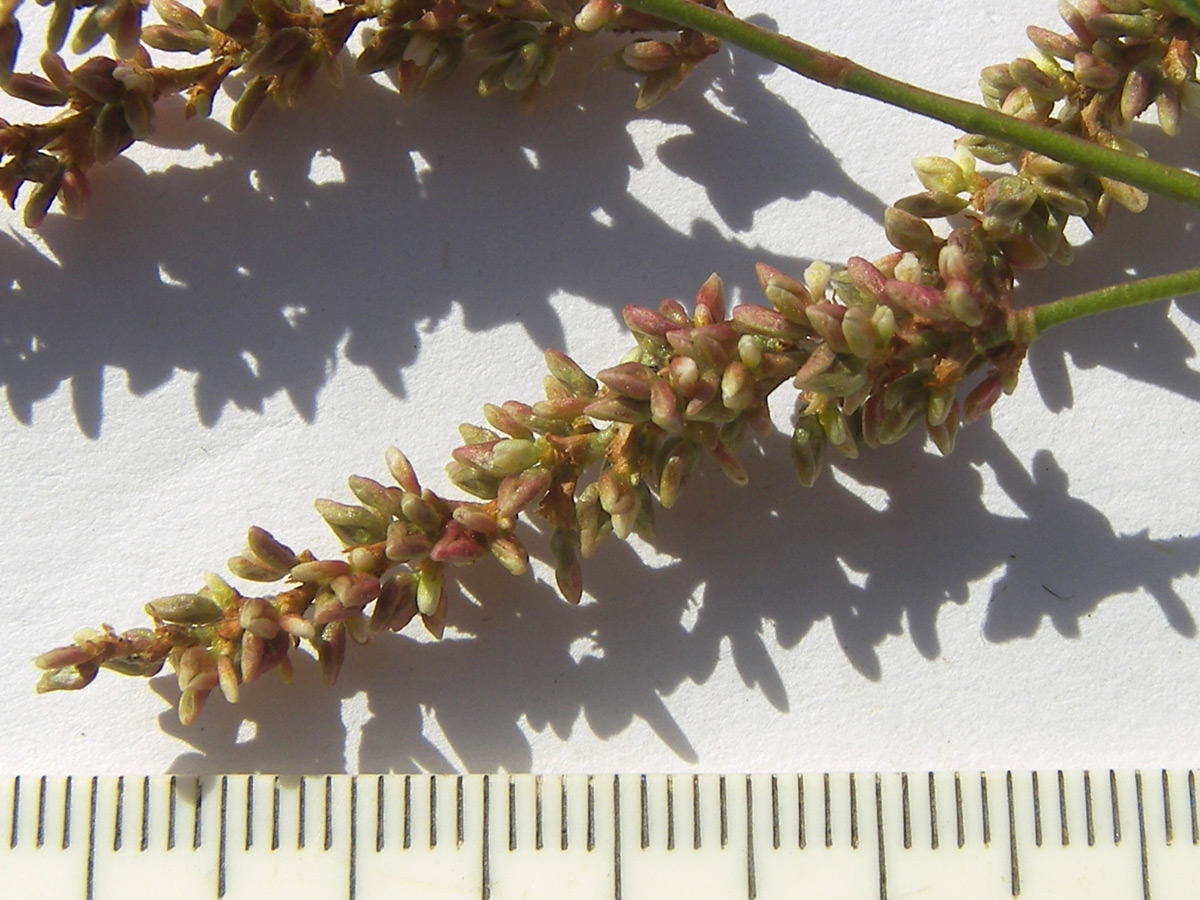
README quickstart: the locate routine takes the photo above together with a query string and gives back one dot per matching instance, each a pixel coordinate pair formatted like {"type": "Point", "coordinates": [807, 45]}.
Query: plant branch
{"type": "Point", "coordinates": [1117, 296]}
{"type": "Point", "coordinates": [844, 74]}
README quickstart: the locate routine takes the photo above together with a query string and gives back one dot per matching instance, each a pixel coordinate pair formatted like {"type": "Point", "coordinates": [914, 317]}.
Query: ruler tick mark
{"type": "Point", "coordinates": [328, 812]}
{"type": "Point", "coordinates": [433, 835]}
{"type": "Point", "coordinates": [933, 814]}
{"type": "Point", "coordinates": [1089, 815]}
{"type": "Point", "coordinates": [774, 812]}
{"type": "Point", "coordinates": [1014, 865]}
{"type": "Point", "coordinates": [645, 813]}
{"type": "Point", "coordinates": [352, 887]}
{"type": "Point", "coordinates": [66, 829]}
{"type": "Point", "coordinates": [987, 819]}
{"type": "Point", "coordinates": [1168, 826]}
{"type": "Point", "coordinates": [512, 814]}
{"type": "Point", "coordinates": [41, 814]}
{"type": "Point", "coordinates": [670, 813]}
{"type": "Point", "coordinates": [275, 813]}
{"type": "Point", "coordinates": [249, 811]}
{"type": "Point", "coordinates": [380, 828]}
{"type": "Point", "coordinates": [904, 811]}
{"type": "Point", "coordinates": [1037, 810]}
{"type": "Point", "coordinates": [16, 804]}
{"type": "Point", "coordinates": [91, 842]}
{"type": "Point", "coordinates": [537, 812]}
{"type": "Point", "coordinates": [751, 877]}
{"type": "Point", "coordinates": [1062, 809]}
{"type": "Point", "coordinates": [196, 822]}
{"type": "Point", "coordinates": [724, 812]}
{"type": "Point", "coordinates": [145, 842]}
{"type": "Point", "coordinates": [1192, 804]}
{"type": "Point", "coordinates": [458, 811]}
{"type": "Point", "coordinates": [1116, 810]}
{"type": "Point", "coordinates": [828, 815]}
{"type": "Point", "coordinates": [562, 812]}
{"type": "Point", "coordinates": [485, 862]}
{"type": "Point", "coordinates": [119, 815]}
{"type": "Point", "coordinates": [302, 803]}
{"type": "Point", "coordinates": [406, 837]}
{"type": "Point", "coordinates": [879, 842]}
{"type": "Point", "coordinates": [1141, 815]}
{"type": "Point", "coordinates": [958, 810]}
{"type": "Point", "coordinates": [591, 815]}
{"type": "Point", "coordinates": [617, 837]}
{"type": "Point", "coordinates": [221, 836]}
{"type": "Point", "coordinates": [695, 812]}
{"type": "Point", "coordinates": [172, 797]}
{"type": "Point", "coordinates": [801, 838]}
{"type": "Point", "coordinates": [853, 813]}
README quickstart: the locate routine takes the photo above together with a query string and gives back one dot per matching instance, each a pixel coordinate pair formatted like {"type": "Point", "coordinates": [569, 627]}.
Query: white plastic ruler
{"type": "Point", "coordinates": [1124, 835]}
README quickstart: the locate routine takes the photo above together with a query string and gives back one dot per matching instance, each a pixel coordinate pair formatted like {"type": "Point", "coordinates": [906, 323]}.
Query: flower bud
{"type": "Point", "coordinates": [568, 574]}
{"type": "Point", "coordinates": [922, 300]}
{"type": "Point", "coordinates": [737, 387]}
{"type": "Point", "coordinates": [929, 205]}
{"type": "Point", "coordinates": [648, 55]}
{"type": "Point", "coordinates": [1051, 43]}
{"type": "Point", "coordinates": [269, 551]}
{"type": "Point", "coordinates": [510, 553]}
{"type": "Point", "coordinates": [504, 421]}
{"type": "Point", "coordinates": [472, 480]}
{"type": "Point", "coordinates": [319, 571]}
{"type": "Point", "coordinates": [260, 617]}
{"type": "Point", "coordinates": [351, 524]}
{"type": "Point", "coordinates": [808, 448]}
{"type": "Point", "coordinates": [68, 678]}
{"type": "Point", "coordinates": [982, 398]}
{"type": "Point", "coordinates": [249, 103]}
{"type": "Point", "coordinates": [518, 492]}
{"type": "Point", "coordinates": [396, 604]}
{"type": "Point", "coordinates": [331, 652]}
{"type": "Point", "coordinates": [858, 328]}
{"type": "Point", "coordinates": [594, 15]}
{"type": "Point", "coordinates": [568, 372]}
{"type": "Point", "coordinates": [228, 678]}
{"type": "Point", "coordinates": [963, 304]}
{"type": "Point", "coordinates": [710, 301]}
{"type": "Point", "coordinates": [631, 379]}
{"type": "Point", "coordinates": [646, 321]}
{"type": "Point", "coordinates": [185, 609]}
{"type": "Point", "coordinates": [826, 320]}
{"type": "Point", "coordinates": [769, 323]}
{"type": "Point", "coordinates": [1040, 85]}
{"type": "Point", "coordinates": [940, 174]}
{"type": "Point", "coordinates": [356, 590]}
{"type": "Point", "coordinates": [456, 547]}
{"type": "Point", "coordinates": [174, 39]}
{"type": "Point", "coordinates": [618, 409]}
{"type": "Point", "coordinates": [907, 232]}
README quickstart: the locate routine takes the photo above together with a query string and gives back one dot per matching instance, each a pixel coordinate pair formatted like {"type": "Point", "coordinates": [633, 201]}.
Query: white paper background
{"type": "Point", "coordinates": [219, 343]}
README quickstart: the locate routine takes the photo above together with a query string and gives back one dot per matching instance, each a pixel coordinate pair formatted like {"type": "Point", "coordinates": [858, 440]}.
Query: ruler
{"type": "Point", "coordinates": [1124, 835]}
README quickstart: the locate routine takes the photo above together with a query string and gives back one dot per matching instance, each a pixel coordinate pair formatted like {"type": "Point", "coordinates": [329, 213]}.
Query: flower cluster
{"type": "Point", "coordinates": [279, 47]}
{"type": "Point", "coordinates": [923, 338]}
{"type": "Point", "coordinates": [874, 355]}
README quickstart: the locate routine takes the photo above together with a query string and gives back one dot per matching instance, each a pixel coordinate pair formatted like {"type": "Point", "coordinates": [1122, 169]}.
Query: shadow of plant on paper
{"type": "Point", "coordinates": [336, 230]}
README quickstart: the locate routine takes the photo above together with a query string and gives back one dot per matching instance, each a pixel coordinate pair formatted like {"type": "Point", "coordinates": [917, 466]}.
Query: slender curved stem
{"type": "Point", "coordinates": [844, 74]}
{"type": "Point", "coordinates": [1117, 296]}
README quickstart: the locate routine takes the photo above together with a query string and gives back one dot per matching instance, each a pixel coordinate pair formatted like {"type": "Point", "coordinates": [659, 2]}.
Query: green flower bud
{"type": "Point", "coordinates": [185, 609]}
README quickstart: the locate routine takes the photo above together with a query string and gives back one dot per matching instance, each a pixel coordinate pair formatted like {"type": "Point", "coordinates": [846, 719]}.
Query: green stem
{"type": "Point", "coordinates": [1117, 296]}
{"type": "Point", "coordinates": [844, 74]}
